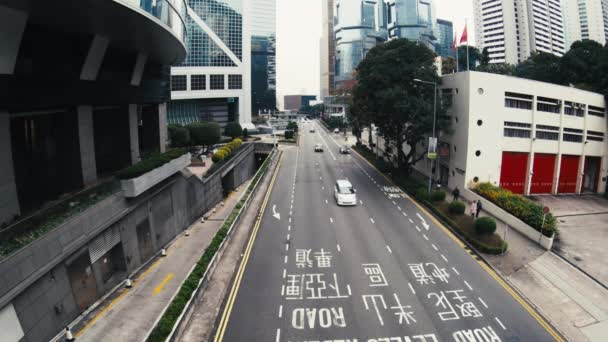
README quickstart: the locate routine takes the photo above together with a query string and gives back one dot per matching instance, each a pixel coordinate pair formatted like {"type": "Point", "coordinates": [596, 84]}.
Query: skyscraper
{"type": "Point", "coordinates": [586, 19]}
{"type": "Point", "coordinates": [445, 38]}
{"type": "Point", "coordinates": [263, 56]}
{"type": "Point", "coordinates": [513, 30]}
{"type": "Point", "coordinates": [359, 26]}
{"type": "Point", "coordinates": [328, 48]}
{"type": "Point", "coordinates": [412, 19]}
{"type": "Point", "coordinates": [214, 82]}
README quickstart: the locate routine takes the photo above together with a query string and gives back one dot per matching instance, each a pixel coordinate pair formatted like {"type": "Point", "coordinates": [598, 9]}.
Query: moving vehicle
{"type": "Point", "coordinates": [344, 149]}
{"type": "Point", "coordinates": [312, 130]}
{"type": "Point", "coordinates": [318, 148]}
{"type": "Point", "coordinates": [344, 193]}
{"type": "Point", "coordinates": [336, 130]}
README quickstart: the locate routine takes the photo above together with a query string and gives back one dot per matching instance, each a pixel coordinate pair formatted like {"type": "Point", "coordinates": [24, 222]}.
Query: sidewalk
{"type": "Point", "coordinates": [129, 314]}
{"type": "Point", "coordinates": [574, 303]}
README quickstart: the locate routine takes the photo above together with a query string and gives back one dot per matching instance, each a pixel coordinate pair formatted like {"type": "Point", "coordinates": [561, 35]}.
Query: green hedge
{"type": "Point", "coordinates": [150, 163]}
{"type": "Point", "coordinates": [167, 322]}
{"type": "Point", "coordinates": [224, 154]}
{"type": "Point", "coordinates": [524, 209]}
{"type": "Point", "coordinates": [438, 196]}
{"type": "Point", "coordinates": [485, 225]}
{"type": "Point", "coordinates": [456, 208]}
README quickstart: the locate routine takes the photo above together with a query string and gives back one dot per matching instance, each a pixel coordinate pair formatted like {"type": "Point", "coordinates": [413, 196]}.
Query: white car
{"type": "Point", "coordinates": [336, 130]}
{"type": "Point", "coordinates": [318, 148]}
{"type": "Point", "coordinates": [344, 193]}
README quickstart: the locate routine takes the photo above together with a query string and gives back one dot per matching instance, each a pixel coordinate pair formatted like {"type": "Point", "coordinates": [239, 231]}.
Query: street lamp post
{"type": "Point", "coordinates": [434, 120]}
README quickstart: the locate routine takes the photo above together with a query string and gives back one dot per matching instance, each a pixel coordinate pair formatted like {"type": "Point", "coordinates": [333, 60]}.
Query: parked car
{"type": "Point", "coordinates": [344, 149]}
{"type": "Point", "coordinates": [318, 148]}
{"type": "Point", "coordinates": [344, 193]}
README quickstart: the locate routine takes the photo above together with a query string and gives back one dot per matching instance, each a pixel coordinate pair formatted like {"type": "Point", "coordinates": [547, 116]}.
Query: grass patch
{"type": "Point", "coordinates": [174, 310]}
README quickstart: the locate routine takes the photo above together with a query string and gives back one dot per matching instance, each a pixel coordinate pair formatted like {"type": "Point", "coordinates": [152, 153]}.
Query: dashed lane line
{"type": "Point", "coordinates": [338, 247]}
{"type": "Point", "coordinates": [389, 249]}
{"type": "Point", "coordinates": [371, 219]}
{"type": "Point", "coordinates": [500, 323]}
{"type": "Point", "coordinates": [444, 258]}
{"type": "Point", "coordinates": [280, 311]}
{"type": "Point", "coordinates": [411, 288]}
{"type": "Point", "coordinates": [455, 271]}
{"type": "Point", "coordinates": [469, 286]}
{"type": "Point", "coordinates": [482, 302]}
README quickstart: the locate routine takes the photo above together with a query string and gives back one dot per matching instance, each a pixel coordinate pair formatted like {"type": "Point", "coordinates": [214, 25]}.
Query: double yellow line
{"type": "Point", "coordinates": [490, 271]}
{"type": "Point", "coordinates": [221, 329]}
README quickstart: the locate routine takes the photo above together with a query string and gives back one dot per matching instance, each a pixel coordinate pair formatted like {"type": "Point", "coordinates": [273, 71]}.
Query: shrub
{"type": "Point", "coordinates": [438, 196]}
{"type": "Point", "coordinates": [288, 134]}
{"type": "Point", "coordinates": [179, 136]}
{"type": "Point", "coordinates": [150, 163]}
{"type": "Point", "coordinates": [204, 133]}
{"type": "Point", "coordinates": [292, 126]}
{"type": "Point", "coordinates": [218, 156]}
{"type": "Point", "coordinates": [233, 130]}
{"type": "Point", "coordinates": [238, 142]}
{"type": "Point", "coordinates": [485, 225]}
{"type": "Point", "coordinates": [522, 208]}
{"type": "Point", "coordinates": [456, 208]}
{"type": "Point", "coordinates": [245, 133]}
{"type": "Point", "coordinates": [421, 194]}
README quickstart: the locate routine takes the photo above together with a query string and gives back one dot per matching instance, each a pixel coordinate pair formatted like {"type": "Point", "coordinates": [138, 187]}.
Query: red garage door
{"type": "Point", "coordinates": [513, 171]}
{"type": "Point", "coordinates": [568, 171]}
{"type": "Point", "coordinates": [542, 177]}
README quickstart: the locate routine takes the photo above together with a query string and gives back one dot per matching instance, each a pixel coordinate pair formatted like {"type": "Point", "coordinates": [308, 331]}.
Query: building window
{"type": "Point", "coordinates": [597, 111]}
{"type": "Point", "coordinates": [178, 82]}
{"type": "Point", "coordinates": [216, 82]}
{"type": "Point", "coordinates": [574, 109]}
{"type": "Point", "coordinates": [198, 82]}
{"type": "Point", "coordinates": [573, 135]}
{"type": "Point", "coordinates": [519, 101]}
{"type": "Point", "coordinates": [523, 130]}
{"type": "Point", "coordinates": [545, 104]}
{"type": "Point", "coordinates": [595, 136]}
{"type": "Point", "coordinates": [547, 132]}
{"type": "Point", "coordinates": [235, 82]}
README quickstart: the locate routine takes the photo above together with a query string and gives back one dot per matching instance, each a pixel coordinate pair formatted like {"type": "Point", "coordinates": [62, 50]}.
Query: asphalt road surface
{"type": "Point", "coordinates": [383, 270]}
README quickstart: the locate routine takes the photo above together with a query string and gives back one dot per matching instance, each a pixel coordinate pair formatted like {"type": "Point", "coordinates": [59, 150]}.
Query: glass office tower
{"type": "Point", "coordinates": [359, 26]}
{"type": "Point", "coordinates": [263, 56]}
{"type": "Point", "coordinates": [445, 38]}
{"type": "Point", "coordinates": [412, 19]}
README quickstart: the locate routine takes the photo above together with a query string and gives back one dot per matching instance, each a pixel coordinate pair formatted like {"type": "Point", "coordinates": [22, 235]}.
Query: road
{"type": "Point", "coordinates": [383, 270]}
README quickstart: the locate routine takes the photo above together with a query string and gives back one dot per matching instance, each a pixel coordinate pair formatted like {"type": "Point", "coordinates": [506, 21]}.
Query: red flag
{"type": "Point", "coordinates": [454, 43]}
{"type": "Point", "coordinates": [464, 38]}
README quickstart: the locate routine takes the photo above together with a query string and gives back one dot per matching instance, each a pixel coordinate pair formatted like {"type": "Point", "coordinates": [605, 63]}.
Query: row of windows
{"type": "Point", "coordinates": [545, 132]}
{"type": "Point", "coordinates": [199, 82]}
{"type": "Point", "coordinates": [544, 104]}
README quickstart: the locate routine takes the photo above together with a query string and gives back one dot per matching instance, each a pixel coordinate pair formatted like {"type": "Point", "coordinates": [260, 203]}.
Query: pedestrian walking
{"type": "Point", "coordinates": [478, 209]}
{"type": "Point", "coordinates": [473, 209]}
{"type": "Point", "coordinates": [456, 193]}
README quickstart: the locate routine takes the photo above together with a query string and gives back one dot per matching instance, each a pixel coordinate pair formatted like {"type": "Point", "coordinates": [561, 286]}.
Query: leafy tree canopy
{"type": "Point", "coordinates": [581, 65]}
{"type": "Point", "coordinates": [387, 95]}
{"type": "Point", "coordinates": [204, 133]}
{"type": "Point", "coordinates": [233, 130]}
{"type": "Point", "coordinates": [179, 136]}
{"type": "Point", "coordinates": [497, 68]}
{"type": "Point", "coordinates": [541, 66]}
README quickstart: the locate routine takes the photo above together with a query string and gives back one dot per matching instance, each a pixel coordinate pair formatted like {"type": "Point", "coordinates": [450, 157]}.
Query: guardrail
{"type": "Point", "coordinates": [202, 283]}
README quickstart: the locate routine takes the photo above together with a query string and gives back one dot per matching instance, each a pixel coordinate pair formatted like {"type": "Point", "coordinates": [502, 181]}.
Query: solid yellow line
{"type": "Point", "coordinates": [91, 322]}
{"type": "Point", "coordinates": [219, 336]}
{"type": "Point", "coordinates": [162, 284]}
{"type": "Point", "coordinates": [490, 271]}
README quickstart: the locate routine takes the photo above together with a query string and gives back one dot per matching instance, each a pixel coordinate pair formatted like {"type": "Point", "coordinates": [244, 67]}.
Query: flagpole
{"type": "Point", "coordinates": [455, 47]}
{"type": "Point", "coordinates": [466, 26]}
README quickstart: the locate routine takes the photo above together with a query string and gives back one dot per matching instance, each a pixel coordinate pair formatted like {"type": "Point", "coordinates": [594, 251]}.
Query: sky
{"type": "Point", "coordinates": [299, 35]}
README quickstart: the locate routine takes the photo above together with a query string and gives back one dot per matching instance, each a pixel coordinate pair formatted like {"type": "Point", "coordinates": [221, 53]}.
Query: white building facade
{"type": "Point", "coordinates": [512, 30]}
{"type": "Point", "coordinates": [526, 136]}
{"type": "Point", "coordinates": [586, 19]}
{"type": "Point", "coordinates": [214, 83]}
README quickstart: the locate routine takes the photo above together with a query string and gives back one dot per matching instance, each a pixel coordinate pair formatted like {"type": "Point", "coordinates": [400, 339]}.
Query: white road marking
{"type": "Point", "coordinates": [482, 302]}
{"type": "Point", "coordinates": [411, 221]}
{"type": "Point", "coordinates": [288, 237]}
{"type": "Point", "coordinates": [371, 219]}
{"type": "Point", "coordinates": [434, 247]}
{"type": "Point", "coordinates": [285, 260]}
{"type": "Point", "coordinates": [348, 289]}
{"type": "Point", "coordinates": [322, 188]}
{"type": "Point", "coordinates": [280, 311]}
{"type": "Point", "coordinates": [389, 249]}
{"type": "Point", "coordinates": [501, 325]}
{"type": "Point", "coordinates": [338, 246]}
{"type": "Point", "coordinates": [469, 286]}
{"type": "Point", "coordinates": [291, 208]}
{"type": "Point", "coordinates": [424, 236]}
{"type": "Point", "coordinates": [278, 335]}
{"type": "Point", "coordinates": [417, 228]}
{"type": "Point", "coordinates": [290, 220]}
{"type": "Point", "coordinates": [289, 228]}
{"type": "Point", "coordinates": [331, 220]}
{"type": "Point", "coordinates": [282, 290]}
{"type": "Point", "coordinates": [326, 202]}
{"type": "Point", "coordinates": [398, 207]}
{"type": "Point", "coordinates": [404, 214]}
{"type": "Point", "coordinates": [320, 178]}
{"type": "Point", "coordinates": [455, 271]}
{"type": "Point", "coordinates": [286, 246]}
{"type": "Point", "coordinates": [284, 273]}
{"type": "Point", "coordinates": [411, 288]}
{"type": "Point", "coordinates": [361, 202]}
{"type": "Point", "coordinates": [394, 203]}
{"type": "Point", "coordinates": [444, 258]}
{"type": "Point", "coordinates": [290, 213]}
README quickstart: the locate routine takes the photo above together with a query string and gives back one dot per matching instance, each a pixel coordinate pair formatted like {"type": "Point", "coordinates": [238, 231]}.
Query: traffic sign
{"type": "Point", "coordinates": [546, 210]}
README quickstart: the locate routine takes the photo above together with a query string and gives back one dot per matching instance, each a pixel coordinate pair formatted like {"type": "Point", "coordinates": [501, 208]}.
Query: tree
{"type": "Point", "coordinates": [485, 56]}
{"type": "Point", "coordinates": [233, 130]}
{"type": "Point", "coordinates": [498, 68]}
{"type": "Point", "coordinates": [179, 135]}
{"type": "Point", "coordinates": [245, 133]}
{"type": "Point", "coordinates": [448, 65]}
{"type": "Point", "coordinates": [204, 133]}
{"type": "Point", "coordinates": [582, 64]}
{"type": "Point", "coordinates": [541, 66]}
{"type": "Point", "coordinates": [292, 126]}
{"type": "Point", "coordinates": [474, 57]}
{"type": "Point", "coordinates": [387, 94]}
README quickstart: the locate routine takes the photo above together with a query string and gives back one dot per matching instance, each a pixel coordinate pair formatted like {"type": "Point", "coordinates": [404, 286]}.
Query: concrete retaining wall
{"type": "Point", "coordinates": [36, 279]}
{"type": "Point", "coordinates": [509, 219]}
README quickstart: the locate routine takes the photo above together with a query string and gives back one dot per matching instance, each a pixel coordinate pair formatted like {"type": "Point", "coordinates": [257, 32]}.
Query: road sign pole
{"type": "Point", "coordinates": [541, 229]}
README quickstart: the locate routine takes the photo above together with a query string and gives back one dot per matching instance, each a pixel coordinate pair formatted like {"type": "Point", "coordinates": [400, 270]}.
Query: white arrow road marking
{"type": "Point", "coordinates": [274, 212]}
{"type": "Point", "coordinates": [426, 226]}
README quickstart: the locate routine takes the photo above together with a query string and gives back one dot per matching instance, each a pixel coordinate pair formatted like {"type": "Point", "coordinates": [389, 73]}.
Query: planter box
{"type": "Point", "coordinates": [511, 220]}
{"type": "Point", "coordinates": [136, 186]}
